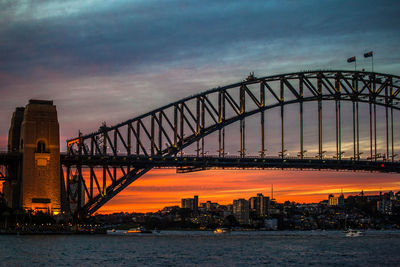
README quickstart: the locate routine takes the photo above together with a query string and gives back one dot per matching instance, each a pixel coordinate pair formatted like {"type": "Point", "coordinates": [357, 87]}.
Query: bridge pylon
{"type": "Point", "coordinates": [34, 183]}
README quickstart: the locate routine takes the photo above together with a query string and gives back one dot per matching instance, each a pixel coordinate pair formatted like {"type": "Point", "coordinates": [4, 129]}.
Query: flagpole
{"type": "Point", "coordinates": [370, 54]}
{"type": "Point", "coordinates": [372, 62]}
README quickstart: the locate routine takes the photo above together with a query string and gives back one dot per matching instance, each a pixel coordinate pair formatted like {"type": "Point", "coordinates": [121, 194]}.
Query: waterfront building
{"type": "Point", "coordinates": [168, 209]}
{"type": "Point", "coordinates": [271, 224]}
{"type": "Point", "coordinates": [209, 206]}
{"type": "Point", "coordinates": [341, 200]}
{"type": "Point", "coordinates": [195, 203]}
{"type": "Point", "coordinates": [336, 201]}
{"type": "Point", "coordinates": [259, 205]}
{"type": "Point", "coordinates": [385, 206]}
{"type": "Point", "coordinates": [190, 203]}
{"type": "Point", "coordinates": [187, 203]}
{"type": "Point", "coordinates": [241, 210]}
{"type": "Point", "coordinates": [229, 208]}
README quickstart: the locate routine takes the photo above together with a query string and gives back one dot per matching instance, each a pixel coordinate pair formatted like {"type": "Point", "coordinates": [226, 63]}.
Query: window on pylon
{"type": "Point", "coordinates": [41, 147]}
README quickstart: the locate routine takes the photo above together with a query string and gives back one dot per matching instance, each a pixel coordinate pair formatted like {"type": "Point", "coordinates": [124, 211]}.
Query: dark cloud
{"type": "Point", "coordinates": [111, 38]}
{"type": "Point", "coordinates": [113, 60]}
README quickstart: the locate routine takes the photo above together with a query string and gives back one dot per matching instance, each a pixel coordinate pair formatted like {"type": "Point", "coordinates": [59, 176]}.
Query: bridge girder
{"type": "Point", "coordinates": [190, 120]}
{"type": "Point", "coordinates": [9, 163]}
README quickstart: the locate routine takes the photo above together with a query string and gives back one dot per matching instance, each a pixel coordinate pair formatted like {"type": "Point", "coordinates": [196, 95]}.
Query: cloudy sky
{"type": "Point", "coordinates": [112, 60]}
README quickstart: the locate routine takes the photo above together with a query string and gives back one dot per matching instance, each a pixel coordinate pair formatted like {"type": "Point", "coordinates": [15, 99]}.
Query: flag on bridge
{"type": "Point", "coordinates": [369, 54]}
{"type": "Point", "coordinates": [351, 59]}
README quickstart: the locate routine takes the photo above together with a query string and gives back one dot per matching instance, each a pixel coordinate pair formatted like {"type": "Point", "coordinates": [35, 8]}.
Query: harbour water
{"type": "Point", "coordinates": [186, 248]}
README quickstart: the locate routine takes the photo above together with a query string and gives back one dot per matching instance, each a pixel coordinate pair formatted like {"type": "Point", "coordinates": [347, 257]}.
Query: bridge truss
{"type": "Point", "coordinates": [107, 161]}
{"type": "Point", "coordinates": [9, 165]}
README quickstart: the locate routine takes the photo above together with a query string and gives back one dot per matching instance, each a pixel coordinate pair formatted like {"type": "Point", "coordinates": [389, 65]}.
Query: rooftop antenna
{"type": "Point", "coordinates": [272, 191]}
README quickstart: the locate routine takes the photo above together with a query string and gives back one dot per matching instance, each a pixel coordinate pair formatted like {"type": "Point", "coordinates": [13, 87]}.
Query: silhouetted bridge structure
{"type": "Point", "coordinates": [192, 163]}
{"type": "Point", "coordinates": [181, 134]}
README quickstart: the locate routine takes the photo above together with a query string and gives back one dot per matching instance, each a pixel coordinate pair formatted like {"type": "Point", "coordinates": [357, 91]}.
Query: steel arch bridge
{"type": "Point", "coordinates": [103, 163]}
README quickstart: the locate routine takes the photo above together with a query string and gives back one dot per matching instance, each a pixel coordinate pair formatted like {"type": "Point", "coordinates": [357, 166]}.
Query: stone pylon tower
{"type": "Point", "coordinates": [39, 186]}
{"type": "Point", "coordinates": [40, 139]}
{"type": "Point", "coordinates": [12, 187]}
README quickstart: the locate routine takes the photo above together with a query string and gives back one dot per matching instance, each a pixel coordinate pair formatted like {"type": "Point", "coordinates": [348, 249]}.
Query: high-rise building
{"type": "Point", "coordinates": [385, 206]}
{"type": "Point", "coordinates": [259, 205]}
{"type": "Point", "coordinates": [341, 200]}
{"type": "Point", "coordinates": [196, 203]}
{"type": "Point", "coordinates": [190, 203]}
{"type": "Point", "coordinates": [332, 201]}
{"type": "Point", "coordinates": [187, 203]}
{"type": "Point", "coordinates": [241, 210]}
{"type": "Point", "coordinates": [336, 201]}
{"type": "Point", "coordinates": [209, 206]}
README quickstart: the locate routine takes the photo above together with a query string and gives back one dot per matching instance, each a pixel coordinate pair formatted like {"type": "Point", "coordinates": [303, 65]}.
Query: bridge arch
{"type": "Point", "coordinates": [166, 131]}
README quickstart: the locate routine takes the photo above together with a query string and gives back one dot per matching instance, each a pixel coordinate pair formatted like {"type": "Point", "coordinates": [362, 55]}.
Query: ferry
{"type": "Point", "coordinates": [353, 233]}
{"type": "Point", "coordinates": [132, 231]}
{"type": "Point", "coordinates": [139, 230]}
{"type": "Point", "coordinates": [220, 231]}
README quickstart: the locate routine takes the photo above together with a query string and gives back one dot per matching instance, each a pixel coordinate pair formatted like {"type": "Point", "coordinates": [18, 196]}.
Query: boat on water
{"type": "Point", "coordinates": [115, 232]}
{"type": "Point", "coordinates": [132, 231]}
{"type": "Point", "coordinates": [139, 230]}
{"type": "Point", "coordinates": [352, 233]}
{"type": "Point", "coordinates": [220, 231]}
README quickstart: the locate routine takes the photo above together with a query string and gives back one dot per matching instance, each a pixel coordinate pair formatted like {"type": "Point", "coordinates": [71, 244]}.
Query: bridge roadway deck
{"type": "Point", "coordinates": [9, 157]}
{"type": "Point", "coordinates": [194, 163]}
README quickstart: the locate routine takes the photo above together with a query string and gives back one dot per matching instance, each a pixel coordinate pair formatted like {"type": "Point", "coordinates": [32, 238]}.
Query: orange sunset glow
{"type": "Point", "coordinates": [164, 187]}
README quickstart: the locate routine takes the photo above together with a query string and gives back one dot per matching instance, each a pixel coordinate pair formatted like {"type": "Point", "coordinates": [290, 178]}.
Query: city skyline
{"type": "Point", "coordinates": [189, 202]}
{"type": "Point", "coordinates": [160, 187]}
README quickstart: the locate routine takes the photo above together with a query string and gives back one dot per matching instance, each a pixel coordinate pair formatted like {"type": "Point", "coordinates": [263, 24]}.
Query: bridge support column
{"type": "Point", "coordinates": [375, 151]}
{"type": "Point", "coordinates": [282, 99]}
{"type": "Point", "coordinates": [374, 90]}
{"type": "Point", "coordinates": [301, 117]}
{"type": "Point", "coordinates": [242, 123]}
{"type": "Point", "coordinates": [338, 131]}
{"type": "Point", "coordinates": [354, 131]}
{"type": "Point", "coordinates": [320, 133]}
{"type": "Point", "coordinates": [370, 128]}
{"type": "Point", "coordinates": [262, 102]}
{"type": "Point", "coordinates": [387, 130]}
{"type": "Point", "coordinates": [391, 126]}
